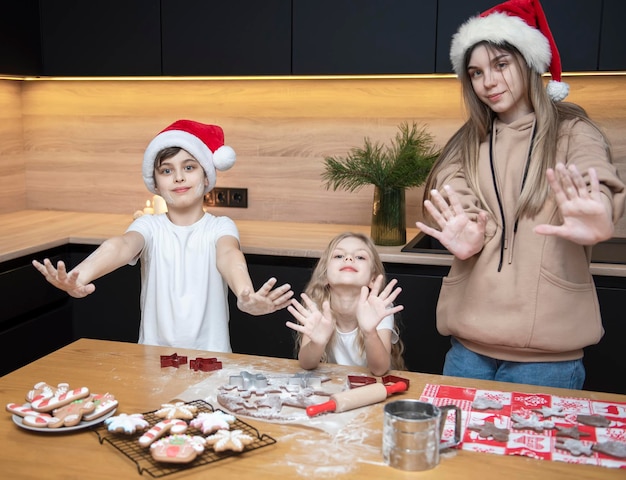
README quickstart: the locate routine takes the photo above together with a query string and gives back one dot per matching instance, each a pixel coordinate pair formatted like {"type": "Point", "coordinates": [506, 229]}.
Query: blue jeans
{"type": "Point", "coordinates": [461, 362]}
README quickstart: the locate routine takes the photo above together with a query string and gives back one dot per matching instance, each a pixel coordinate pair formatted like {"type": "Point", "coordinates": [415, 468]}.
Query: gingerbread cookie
{"type": "Point", "coordinates": [532, 423]}
{"type": "Point", "coordinates": [575, 447]}
{"type": "Point", "coordinates": [177, 448]}
{"type": "Point", "coordinates": [234, 440]}
{"type": "Point", "coordinates": [177, 410]}
{"type": "Point", "coordinates": [209, 422]}
{"type": "Point", "coordinates": [127, 424]}
{"type": "Point", "coordinates": [484, 403]}
{"type": "Point", "coordinates": [572, 432]}
{"type": "Point", "coordinates": [547, 412]}
{"type": "Point", "coordinates": [45, 398]}
{"type": "Point", "coordinates": [105, 403]}
{"type": "Point", "coordinates": [489, 430]}
{"type": "Point", "coordinates": [612, 448]}
{"type": "Point", "coordinates": [593, 420]}
{"type": "Point", "coordinates": [172, 425]}
{"type": "Point", "coordinates": [25, 411]}
{"type": "Point", "coordinates": [68, 415]}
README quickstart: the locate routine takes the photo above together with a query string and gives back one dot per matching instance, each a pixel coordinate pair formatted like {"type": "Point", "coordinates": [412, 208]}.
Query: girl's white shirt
{"type": "Point", "coordinates": [344, 350]}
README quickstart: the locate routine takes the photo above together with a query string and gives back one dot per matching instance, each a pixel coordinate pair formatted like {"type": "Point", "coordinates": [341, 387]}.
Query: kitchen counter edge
{"type": "Point", "coordinates": [28, 232]}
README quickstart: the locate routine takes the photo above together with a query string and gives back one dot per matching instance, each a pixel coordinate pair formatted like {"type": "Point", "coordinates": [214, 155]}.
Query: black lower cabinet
{"type": "Point", "coordinates": [31, 338]}
{"type": "Point", "coordinates": [37, 318]}
{"type": "Point", "coordinates": [605, 362]}
{"type": "Point", "coordinates": [113, 311]}
{"type": "Point", "coordinates": [424, 348]}
{"type": "Point", "coordinates": [267, 335]}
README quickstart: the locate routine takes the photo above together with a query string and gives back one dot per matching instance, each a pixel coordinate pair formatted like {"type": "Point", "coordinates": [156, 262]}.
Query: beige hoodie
{"type": "Point", "coordinates": [542, 304]}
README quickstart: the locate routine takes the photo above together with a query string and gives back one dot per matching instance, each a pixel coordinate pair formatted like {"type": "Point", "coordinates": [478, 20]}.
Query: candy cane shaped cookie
{"type": "Point", "coordinates": [104, 404]}
{"type": "Point", "coordinates": [24, 410]}
{"type": "Point", "coordinates": [46, 403]}
{"type": "Point", "coordinates": [172, 425]}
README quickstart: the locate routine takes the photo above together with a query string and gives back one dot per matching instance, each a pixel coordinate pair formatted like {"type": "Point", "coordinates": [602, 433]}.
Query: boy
{"type": "Point", "coordinates": [189, 258]}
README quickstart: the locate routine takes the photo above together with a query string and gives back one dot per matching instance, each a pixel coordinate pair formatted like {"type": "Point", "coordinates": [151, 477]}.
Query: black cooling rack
{"type": "Point", "coordinates": [129, 444]}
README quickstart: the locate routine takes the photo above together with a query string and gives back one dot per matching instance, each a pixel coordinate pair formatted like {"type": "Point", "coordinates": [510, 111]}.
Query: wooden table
{"type": "Point", "coordinates": [134, 375]}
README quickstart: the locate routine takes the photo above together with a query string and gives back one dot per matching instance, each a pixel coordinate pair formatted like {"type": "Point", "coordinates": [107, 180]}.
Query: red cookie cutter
{"type": "Point", "coordinates": [355, 381]}
{"type": "Point", "coordinates": [173, 360]}
{"type": "Point", "coordinates": [205, 364]}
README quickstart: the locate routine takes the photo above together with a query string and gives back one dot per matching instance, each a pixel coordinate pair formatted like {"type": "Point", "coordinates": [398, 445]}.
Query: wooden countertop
{"type": "Point", "coordinates": [27, 232]}
{"type": "Point", "coordinates": [133, 374]}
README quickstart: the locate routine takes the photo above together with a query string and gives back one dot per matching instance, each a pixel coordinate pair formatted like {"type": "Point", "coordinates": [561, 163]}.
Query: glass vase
{"type": "Point", "coordinates": [389, 216]}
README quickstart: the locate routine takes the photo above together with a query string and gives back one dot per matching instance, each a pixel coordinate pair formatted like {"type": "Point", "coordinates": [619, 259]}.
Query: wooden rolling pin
{"type": "Point", "coordinates": [356, 397]}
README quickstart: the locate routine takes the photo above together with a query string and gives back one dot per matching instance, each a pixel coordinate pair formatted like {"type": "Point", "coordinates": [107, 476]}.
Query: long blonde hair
{"type": "Point", "coordinates": [319, 291]}
{"type": "Point", "coordinates": [463, 147]}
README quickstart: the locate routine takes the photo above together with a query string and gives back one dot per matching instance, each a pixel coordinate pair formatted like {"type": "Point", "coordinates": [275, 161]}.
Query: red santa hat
{"type": "Point", "coordinates": [204, 142]}
{"type": "Point", "coordinates": [521, 23]}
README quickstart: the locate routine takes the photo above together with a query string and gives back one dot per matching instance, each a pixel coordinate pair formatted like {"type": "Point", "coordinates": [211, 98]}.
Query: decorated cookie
{"type": "Point", "coordinates": [209, 422]}
{"type": "Point", "coordinates": [105, 403]}
{"type": "Point", "coordinates": [45, 398]}
{"type": "Point", "coordinates": [127, 424]}
{"type": "Point", "coordinates": [235, 440]}
{"type": "Point", "coordinates": [172, 425]}
{"type": "Point", "coordinates": [177, 448]}
{"type": "Point", "coordinates": [24, 410]}
{"type": "Point", "coordinates": [490, 430]}
{"type": "Point", "coordinates": [612, 448]}
{"type": "Point", "coordinates": [575, 447]}
{"type": "Point", "coordinates": [177, 410]}
{"type": "Point", "coordinates": [68, 415]}
{"type": "Point", "coordinates": [593, 420]}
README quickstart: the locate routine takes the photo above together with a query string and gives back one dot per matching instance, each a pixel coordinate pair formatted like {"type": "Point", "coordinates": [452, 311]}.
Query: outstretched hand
{"type": "Point", "coordinates": [462, 236]}
{"type": "Point", "coordinates": [60, 278]}
{"type": "Point", "coordinates": [586, 218]}
{"type": "Point", "coordinates": [266, 299]}
{"type": "Point", "coordinates": [374, 305]}
{"type": "Point", "coordinates": [316, 325]}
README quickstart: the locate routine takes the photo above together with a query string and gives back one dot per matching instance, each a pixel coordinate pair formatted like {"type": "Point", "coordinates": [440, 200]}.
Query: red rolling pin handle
{"type": "Point", "coordinates": [396, 387]}
{"type": "Point", "coordinates": [328, 406]}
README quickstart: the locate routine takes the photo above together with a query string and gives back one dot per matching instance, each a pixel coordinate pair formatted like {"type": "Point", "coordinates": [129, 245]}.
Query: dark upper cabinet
{"type": "Point", "coordinates": [91, 38]}
{"type": "Point", "coordinates": [337, 37]}
{"type": "Point", "coordinates": [20, 47]}
{"type": "Point", "coordinates": [276, 37]}
{"type": "Point", "coordinates": [613, 41]}
{"type": "Point", "coordinates": [450, 16]}
{"type": "Point", "coordinates": [238, 37]}
{"type": "Point", "coordinates": [575, 26]}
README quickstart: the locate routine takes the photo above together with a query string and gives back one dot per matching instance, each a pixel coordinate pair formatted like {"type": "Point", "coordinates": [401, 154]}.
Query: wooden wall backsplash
{"type": "Point", "coordinates": [82, 142]}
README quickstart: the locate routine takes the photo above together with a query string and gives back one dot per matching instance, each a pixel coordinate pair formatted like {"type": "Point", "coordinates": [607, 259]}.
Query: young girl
{"type": "Point", "coordinates": [348, 314]}
{"type": "Point", "coordinates": [519, 195]}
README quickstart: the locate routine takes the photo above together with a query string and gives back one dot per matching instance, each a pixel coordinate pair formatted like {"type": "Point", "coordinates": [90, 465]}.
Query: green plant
{"type": "Point", "coordinates": [405, 163]}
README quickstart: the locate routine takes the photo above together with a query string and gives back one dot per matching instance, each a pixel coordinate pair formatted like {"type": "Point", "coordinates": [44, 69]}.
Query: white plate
{"type": "Point", "coordinates": [82, 425]}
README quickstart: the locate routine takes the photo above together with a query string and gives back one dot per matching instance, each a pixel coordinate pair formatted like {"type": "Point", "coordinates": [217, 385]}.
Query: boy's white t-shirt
{"type": "Point", "coordinates": [184, 298]}
{"type": "Point", "coordinates": [344, 350]}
